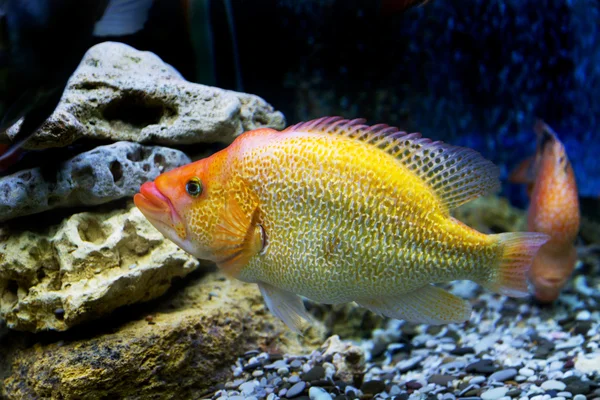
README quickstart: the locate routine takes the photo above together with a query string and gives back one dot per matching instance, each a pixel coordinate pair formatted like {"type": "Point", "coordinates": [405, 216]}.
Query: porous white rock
{"type": "Point", "coordinates": [98, 176]}
{"type": "Point", "coordinates": [84, 268]}
{"type": "Point", "coordinates": [120, 93]}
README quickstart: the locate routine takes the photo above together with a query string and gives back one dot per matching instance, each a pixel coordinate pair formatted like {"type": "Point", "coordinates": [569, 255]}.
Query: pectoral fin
{"type": "Point", "coordinates": [285, 305]}
{"type": "Point", "coordinates": [237, 237]}
{"type": "Point", "coordinates": [427, 305]}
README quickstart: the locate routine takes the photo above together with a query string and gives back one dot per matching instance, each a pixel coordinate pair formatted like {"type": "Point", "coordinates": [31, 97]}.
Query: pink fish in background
{"type": "Point", "coordinates": [553, 209]}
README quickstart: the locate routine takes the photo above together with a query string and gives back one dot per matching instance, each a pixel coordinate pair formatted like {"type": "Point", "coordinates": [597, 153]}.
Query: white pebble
{"type": "Point", "coordinates": [477, 379]}
{"type": "Point", "coordinates": [564, 394]}
{"type": "Point", "coordinates": [538, 397]}
{"type": "Point", "coordinates": [494, 394]}
{"type": "Point", "coordinates": [247, 388]}
{"type": "Point", "coordinates": [317, 393]}
{"type": "Point", "coordinates": [579, 397]}
{"type": "Point", "coordinates": [272, 396]}
{"type": "Point", "coordinates": [283, 371]}
{"type": "Point", "coordinates": [584, 315]}
{"type": "Point", "coordinates": [526, 372]}
{"type": "Point", "coordinates": [553, 385]}
{"type": "Point", "coordinates": [395, 390]}
{"type": "Point", "coordinates": [558, 398]}
{"type": "Point", "coordinates": [555, 375]}
{"type": "Point", "coordinates": [556, 366]}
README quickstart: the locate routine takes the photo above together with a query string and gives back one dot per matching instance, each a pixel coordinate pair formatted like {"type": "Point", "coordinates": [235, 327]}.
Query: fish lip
{"type": "Point", "coordinates": [155, 205]}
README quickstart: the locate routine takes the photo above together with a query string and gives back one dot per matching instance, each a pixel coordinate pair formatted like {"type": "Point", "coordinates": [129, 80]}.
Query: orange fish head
{"type": "Point", "coordinates": [178, 204]}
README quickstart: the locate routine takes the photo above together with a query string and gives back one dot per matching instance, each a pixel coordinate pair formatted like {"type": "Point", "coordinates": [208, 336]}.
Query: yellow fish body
{"type": "Point", "coordinates": [338, 211]}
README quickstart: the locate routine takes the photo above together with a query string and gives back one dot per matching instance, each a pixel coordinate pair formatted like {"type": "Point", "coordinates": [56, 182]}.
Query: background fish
{"type": "Point", "coordinates": [42, 43]}
{"type": "Point", "coordinates": [338, 211]}
{"type": "Point", "coordinates": [554, 210]}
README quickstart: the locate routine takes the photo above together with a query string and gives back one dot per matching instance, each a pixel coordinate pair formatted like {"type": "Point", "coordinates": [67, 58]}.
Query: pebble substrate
{"type": "Point", "coordinates": [511, 349]}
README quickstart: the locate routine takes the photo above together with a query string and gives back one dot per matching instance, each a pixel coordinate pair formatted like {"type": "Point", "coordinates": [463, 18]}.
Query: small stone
{"type": "Point", "coordinates": [314, 374]}
{"type": "Point", "coordinates": [553, 385]}
{"type": "Point", "coordinates": [257, 373]}
{"type": "Point", "coordinates": [378, 349]}
{"type": "Point", "coordinates": [395, 390]}
{"type": "Point", "coordinates": [566, 395]}
{"type": "Point", "coordinates": [296, 390]}
{"type": "Point", "coordinates": [296, 364]}
{"type": "Point", "coordinates": [579, 397]}
{"type": "Point", "coordinates": [247, 388]}
{"type": "Point", "coordinates": [514, 392]}
{"type": "Point", "coordinates": [577, 386]}
{"type": "Point", "coordinates": [588, 363]}
{"type": "Point", "coordinates": [373, 387]}
{"type": "Point", "coordinates": [414, 385]}
{"type": "Point", "coordinates": [294, 379]}
{"type": "Point", "coordinates": [283, 371]}
{"type": "Point", "coordinates": [526, 372]}
{"type": "Point", "coordinates": [494, 394]}
{"type": "Point", "coordinates": [476, 380]}
{"type": "Point", "coordinates": [482, 367]}
{"type": "Point", "coordinates": [441, 380]}
{"type": "Point", "coordinates": [317, 393]}
{"type": "Point", "coordinates": [584, 315]}
{"type": "Point", "coordinates": [503, 375]}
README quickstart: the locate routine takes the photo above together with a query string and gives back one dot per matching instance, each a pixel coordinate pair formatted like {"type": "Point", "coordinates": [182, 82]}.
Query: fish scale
{"type": "Point", "coordinates": [367, 251]}
{"type": "Point", "coordinates": [337, 211]}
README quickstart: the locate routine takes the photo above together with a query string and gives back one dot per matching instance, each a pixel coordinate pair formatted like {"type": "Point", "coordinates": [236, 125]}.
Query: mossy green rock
{"type": "Point", "coordinates": [175, 348]}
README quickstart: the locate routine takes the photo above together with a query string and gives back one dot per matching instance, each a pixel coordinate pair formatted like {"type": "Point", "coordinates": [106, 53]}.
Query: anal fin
{"type": "Point", "coordinates": [427, 305]}
{"type": "Point", "coordinates": [286, 306]}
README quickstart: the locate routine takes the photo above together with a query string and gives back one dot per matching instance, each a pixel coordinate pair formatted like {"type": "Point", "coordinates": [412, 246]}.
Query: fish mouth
{"type": "Point", "coordinates": [157, 207]}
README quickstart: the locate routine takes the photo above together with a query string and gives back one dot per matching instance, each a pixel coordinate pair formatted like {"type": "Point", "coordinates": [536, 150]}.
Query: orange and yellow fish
{"type": "Point", "coordinates": [553, 209]}
{"type": "Point", "coordinates": [338, 211]}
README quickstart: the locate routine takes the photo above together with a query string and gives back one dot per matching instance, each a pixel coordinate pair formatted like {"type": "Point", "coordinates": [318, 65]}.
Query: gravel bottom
{"type": "Point", "coordinates": [510, 349]}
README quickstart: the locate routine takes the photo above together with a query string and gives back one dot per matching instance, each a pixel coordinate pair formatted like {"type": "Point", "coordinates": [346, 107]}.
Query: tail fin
{"type": "Point", "coordinates": [518, 251]}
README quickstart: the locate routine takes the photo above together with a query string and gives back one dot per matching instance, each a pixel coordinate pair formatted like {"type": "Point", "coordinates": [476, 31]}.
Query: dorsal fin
{"type": "Point", "coordinates": [456, 174]}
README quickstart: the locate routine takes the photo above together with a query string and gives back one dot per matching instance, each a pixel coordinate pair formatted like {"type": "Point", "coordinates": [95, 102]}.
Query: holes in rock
{"type": "Point", "coordinates": [84, 176]}
{"type": "Point", "coordinates": [159, 160]}
{"type": "Point", "coordinates": [41, 274]}
{"type": "Point", "coordinates": [12, 287]}
{"type": "Point", "coordinates": [59, 313]}
{"type": "Point", "coordinates": [137, 110]}
{"type": "Point", "coordinates": [91, 231]}
{"type": "Point", "coordinates": [146, 167]}
{"type": "Point", "coordinates": [139, 154]}
{"type": "Point", "coordinates": [116, 170]}
{"type": "Point", "coordinates": [26, 176]}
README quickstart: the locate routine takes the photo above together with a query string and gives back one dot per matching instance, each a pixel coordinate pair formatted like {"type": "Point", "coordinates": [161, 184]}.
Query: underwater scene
{"type": "Point", "coordinates": [300, 199]}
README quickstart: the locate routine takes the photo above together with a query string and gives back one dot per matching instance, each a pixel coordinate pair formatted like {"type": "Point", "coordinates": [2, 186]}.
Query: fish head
{"type": "Point", "coordinates": [179, 204]}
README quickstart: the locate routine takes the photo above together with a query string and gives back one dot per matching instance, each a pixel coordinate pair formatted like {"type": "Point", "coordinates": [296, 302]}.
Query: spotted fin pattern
{"type": "Point", "coordinates": [456, 174]}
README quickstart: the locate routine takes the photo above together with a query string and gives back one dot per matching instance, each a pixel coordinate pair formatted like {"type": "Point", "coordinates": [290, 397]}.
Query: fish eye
{"type": "Point", "coordinates": [194, 187]}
